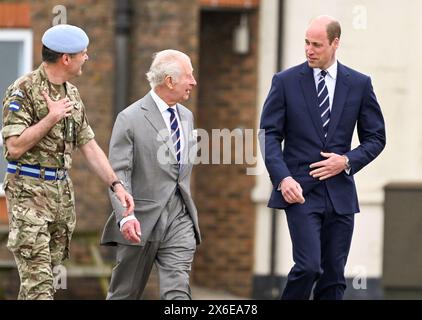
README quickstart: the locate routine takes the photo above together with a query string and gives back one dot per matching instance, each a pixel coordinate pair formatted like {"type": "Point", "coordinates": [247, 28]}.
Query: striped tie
{"type": "Point", "coordinates": [175, 132]}
{"type": "Point", "coordinates": [323, 102]}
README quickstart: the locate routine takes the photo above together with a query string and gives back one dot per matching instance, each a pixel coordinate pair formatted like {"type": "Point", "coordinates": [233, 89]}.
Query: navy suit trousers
{"type": "Point", "coordinates": [321, 241]}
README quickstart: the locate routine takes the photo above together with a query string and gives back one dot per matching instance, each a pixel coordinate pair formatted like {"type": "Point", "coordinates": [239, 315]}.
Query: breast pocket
{"type": "Point", "coordinates": [42, 109]}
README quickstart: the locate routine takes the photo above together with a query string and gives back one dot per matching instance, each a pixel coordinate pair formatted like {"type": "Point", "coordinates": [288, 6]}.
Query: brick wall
{"type": "Point", "coordinates": [96, 88]}
{"type": "Point", "coordinates": [15, 15]}
{"type": "Point", "coordinates": [96, 17]}
{"type": "Point", "coordinates": [229, 3]}
{"type": "Point", "coordinates": [159, 25]}
{"type": "Point", "coordinates": [227, 93]}
{"type": "Point", "coordinates": [226, 99]}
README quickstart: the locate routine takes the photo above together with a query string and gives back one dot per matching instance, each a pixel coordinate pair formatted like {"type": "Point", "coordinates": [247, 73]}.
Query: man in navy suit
{"type": "Point", "coordinates": [313, 108]}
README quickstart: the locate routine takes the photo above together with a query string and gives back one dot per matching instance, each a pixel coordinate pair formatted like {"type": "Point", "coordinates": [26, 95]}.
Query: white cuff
{"type": "Point", "coordinates": [279, 185]}
{"type": "Point", "coordinates": [347, 171]}
{"type": "Point", "coordinates": [126, 219]}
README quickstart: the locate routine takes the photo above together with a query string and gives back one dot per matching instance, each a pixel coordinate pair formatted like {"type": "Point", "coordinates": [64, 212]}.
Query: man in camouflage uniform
{"type": "Point", "coordinates": [44, 120]}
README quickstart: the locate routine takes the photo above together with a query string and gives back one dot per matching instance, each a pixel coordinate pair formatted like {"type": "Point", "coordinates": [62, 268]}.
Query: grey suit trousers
{"type": "Point", "coordinates": [171, 247]}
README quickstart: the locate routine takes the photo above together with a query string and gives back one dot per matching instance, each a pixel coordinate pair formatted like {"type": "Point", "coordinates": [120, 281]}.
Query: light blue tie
{"type": "Point", "coordinates": [323, 102]}
{"type": "Point", "coordinates": [175, 133]}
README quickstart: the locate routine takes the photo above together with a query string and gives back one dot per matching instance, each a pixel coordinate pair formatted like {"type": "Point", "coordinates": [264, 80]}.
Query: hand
{"type": "Point", "coordinates": [291, 191]}
{"type": "Point", "coordinates": [131, 231]}
{"type": "Point", "coordinates": [58, 109]}
{"type": "Point", "coordinates": [125, 198]}
{"type": "Point", "coordinates": [333, 165]}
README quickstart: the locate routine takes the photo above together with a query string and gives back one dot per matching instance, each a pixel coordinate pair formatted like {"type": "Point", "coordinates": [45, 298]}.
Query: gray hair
{"type": "Point", "coordinates": [165, 63]}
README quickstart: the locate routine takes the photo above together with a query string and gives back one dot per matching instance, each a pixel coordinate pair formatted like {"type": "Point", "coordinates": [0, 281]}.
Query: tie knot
{"type": "Point", "coordinates": [323, 73]}
{"type": "Point", "coordinates": [171, 110]}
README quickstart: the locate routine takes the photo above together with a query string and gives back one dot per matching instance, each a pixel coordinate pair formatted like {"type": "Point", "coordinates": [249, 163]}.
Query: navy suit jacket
{"type": "Point", "coordinates": [291, 114]}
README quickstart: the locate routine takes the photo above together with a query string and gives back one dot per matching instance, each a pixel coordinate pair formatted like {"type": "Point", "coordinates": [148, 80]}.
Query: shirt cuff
{"type": "Point", "coordinates": [126, 219]}
{"type": "Point", "coordinates": [279, 185]}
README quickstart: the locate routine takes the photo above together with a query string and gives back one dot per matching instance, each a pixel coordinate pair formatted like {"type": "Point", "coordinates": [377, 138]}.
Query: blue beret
{"type": "Point", "coordinates": [65, 38]}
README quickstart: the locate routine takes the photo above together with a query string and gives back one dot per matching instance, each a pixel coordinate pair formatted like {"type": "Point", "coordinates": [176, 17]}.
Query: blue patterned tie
{"type": "Point", "coordinates": [175, 132]}
{"type": "Point", "coordinates": [323, 102]}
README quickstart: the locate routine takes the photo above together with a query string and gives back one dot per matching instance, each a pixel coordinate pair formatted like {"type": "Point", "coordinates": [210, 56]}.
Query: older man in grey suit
{"type": "Point", "coordinates": [149, 150]}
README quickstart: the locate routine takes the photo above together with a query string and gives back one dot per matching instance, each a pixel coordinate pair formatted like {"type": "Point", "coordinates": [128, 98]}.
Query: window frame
{"type": "Point", "coordinates": [26, 37]}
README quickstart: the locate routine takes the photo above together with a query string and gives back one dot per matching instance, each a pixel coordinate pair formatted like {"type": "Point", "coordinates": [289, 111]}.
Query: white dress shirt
{"type": "Point", "coordinates": [330, 80]}
{"type": "Point", "coordinates": [166, 116]}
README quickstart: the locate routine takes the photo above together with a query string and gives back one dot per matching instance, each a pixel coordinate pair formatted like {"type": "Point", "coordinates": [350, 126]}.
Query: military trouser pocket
{"type": "Point", "coordinates": [23, 238]}
{"type": "Point", "coordinates": [25, 227]}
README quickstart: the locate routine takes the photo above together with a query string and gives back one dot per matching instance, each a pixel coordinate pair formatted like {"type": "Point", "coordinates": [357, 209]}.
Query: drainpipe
{"type": "Point", "coordinates": [275, 292]}
{"type": "Point", "coordinates": [123, 27]}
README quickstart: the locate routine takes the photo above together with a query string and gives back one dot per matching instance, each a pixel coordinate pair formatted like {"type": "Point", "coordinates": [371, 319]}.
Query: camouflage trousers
{"type": "Point", "coordinates": [41, 222]}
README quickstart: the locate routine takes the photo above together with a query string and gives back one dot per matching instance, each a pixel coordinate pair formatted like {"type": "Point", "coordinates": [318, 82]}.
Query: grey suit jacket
{"type": "Point", "coordinates": [143, 157]}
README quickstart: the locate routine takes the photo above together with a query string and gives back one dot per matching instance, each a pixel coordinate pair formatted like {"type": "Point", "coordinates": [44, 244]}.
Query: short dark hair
{"type": "Point", "coordinates": [333, 31]}
{"type": "Point", "coordinates": [51, 56]}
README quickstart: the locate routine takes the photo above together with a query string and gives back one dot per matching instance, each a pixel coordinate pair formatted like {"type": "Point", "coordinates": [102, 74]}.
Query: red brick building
{"type": "Point", "coordinates": [123, 37]}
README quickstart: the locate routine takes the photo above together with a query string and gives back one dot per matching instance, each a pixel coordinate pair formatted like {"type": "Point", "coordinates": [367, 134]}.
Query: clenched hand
{"type": "Point", "coordinates": [292, 191]}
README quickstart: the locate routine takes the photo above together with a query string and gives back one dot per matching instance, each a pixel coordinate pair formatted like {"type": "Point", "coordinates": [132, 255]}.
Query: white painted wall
{"type": "Point", "coordinates": [380, 38]}
{"type": "Point", "coordinates": [267, 64]}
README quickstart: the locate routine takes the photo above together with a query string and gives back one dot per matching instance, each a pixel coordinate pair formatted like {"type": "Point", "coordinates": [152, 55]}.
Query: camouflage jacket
{"type": "Point", "coordinates": [24, 106]}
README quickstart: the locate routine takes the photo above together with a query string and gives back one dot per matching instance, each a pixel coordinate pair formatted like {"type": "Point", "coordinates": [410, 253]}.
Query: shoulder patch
{"type": "Point", "coordinates": [14, 106]}
{"type": "Point", "coordinates": [18, 93]}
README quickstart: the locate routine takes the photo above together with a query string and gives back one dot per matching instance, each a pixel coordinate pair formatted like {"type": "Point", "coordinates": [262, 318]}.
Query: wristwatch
{"type": "Point", "coordinates": [347, 162]}
{"type": "Point", "coordinates": [113, 184]}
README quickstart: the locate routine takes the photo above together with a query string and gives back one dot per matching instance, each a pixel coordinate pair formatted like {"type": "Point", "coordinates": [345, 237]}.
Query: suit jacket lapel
{"type": "Point", "coordinates": [307, 82]}
{"type": "Point", "coordinates": [185, 131]}
{"type": "Point", "coordinates": [340, 95]}
{"type": "Point", "coordinates": [154, 117]}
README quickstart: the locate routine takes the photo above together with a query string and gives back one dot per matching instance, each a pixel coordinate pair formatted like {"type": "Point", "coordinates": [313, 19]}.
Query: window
{"type": "Point", "coordinates": [15, 61]}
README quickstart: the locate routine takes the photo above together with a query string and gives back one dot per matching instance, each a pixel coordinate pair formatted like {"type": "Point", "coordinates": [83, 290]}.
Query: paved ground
{"type": "Point", "coordinates": [200, 293]}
